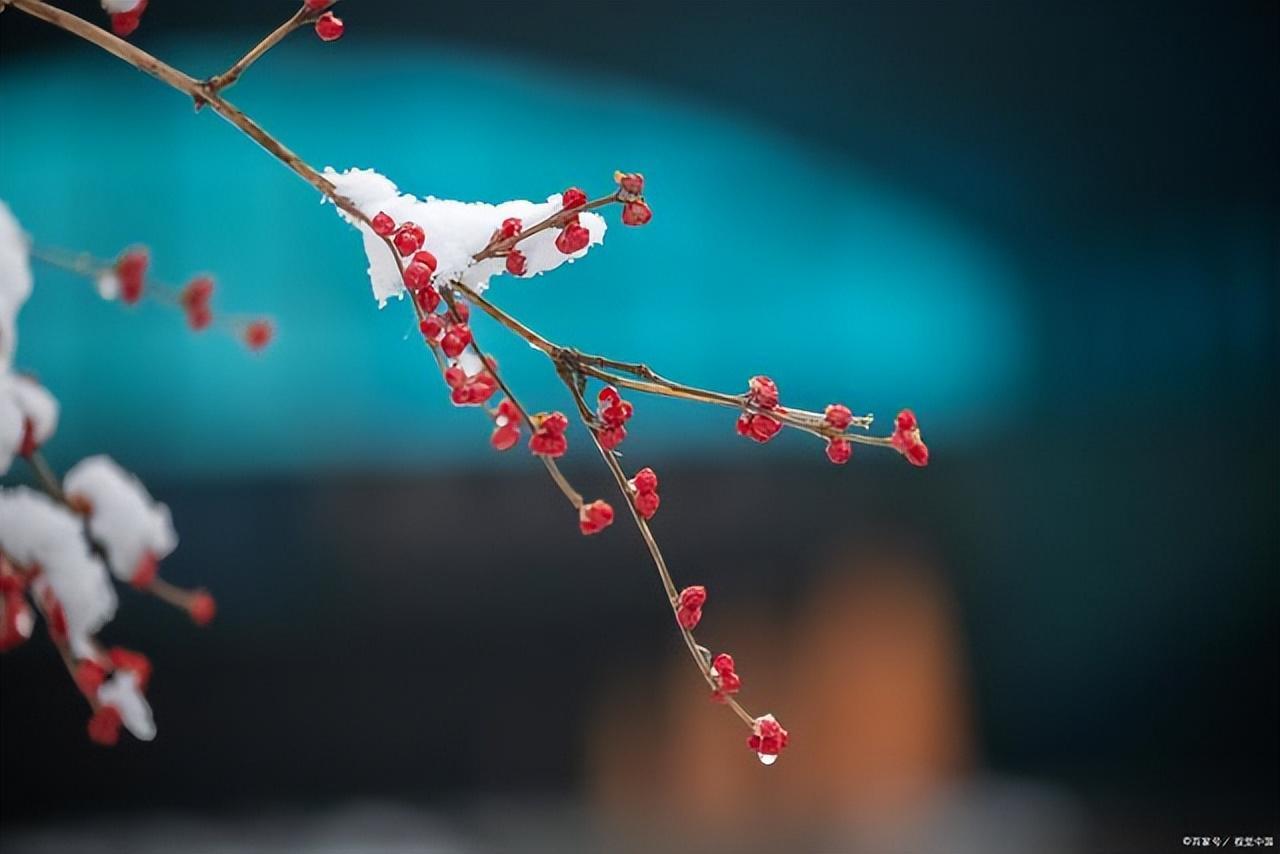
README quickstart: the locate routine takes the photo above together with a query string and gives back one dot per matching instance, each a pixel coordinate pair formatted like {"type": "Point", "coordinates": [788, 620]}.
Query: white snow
{"type": "Point", "coordinates": [121, 691]}
{"type": "Point", "coordinates": [124, 519]}
{"type": "Point", "coordinates": [15, 281]}
{"type": "Point", "coordinates": [455, 232]}
{"type": "Point", "coordinates": [118, 7]}
{"type": "Point", "coordinates": [23, 399]}
{"type": "Point", "coordinates": [36, 531]}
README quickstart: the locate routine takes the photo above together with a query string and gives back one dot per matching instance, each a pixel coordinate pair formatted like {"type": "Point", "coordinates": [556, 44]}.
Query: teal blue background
{"type": "Point", "coordinates": [768, 254]}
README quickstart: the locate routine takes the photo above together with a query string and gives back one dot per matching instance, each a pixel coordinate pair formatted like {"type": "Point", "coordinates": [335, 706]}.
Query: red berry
{"type": "Point", "coordinates": [131, 271]}
{"type": "Point", "coordinates": [838, 416]}
{"type": "Point", "coordinates": [409, 238]}
{"type": "Point", "coordinates": [124, 23]}
{"type": "Point", "coordinates": [383, 224]}
{"type": "Point", "coordinates": [693, 597]}
{"type": "Point", "coordinates": [918, 454]}
{"type": "Point", "coordinates": [595, 517]}
{"type": "Point", "coordinates": [455, 377]}
{"type": "Point", "coordinates": [197, 293]}
{"type": "Point", "coordinates": [555, 423]}
{"type": "Point", "coordinates": [456, 338]}
{"type": "Point", "coordinates": [431, 327]}
{"type": "Point", "coordinates": [647, 504]}
{"type": "Point", "coordinates": [258, 334]}
{"type": "Point", "coordinates": [548, 437]}
{"type": "Point", "coordinates": [425, 257]}
{"type": "Point", "coordinates": [762, 392]}
{"type": "Point", "coordinates": [906, 438]}
{"type": "Point", "coordinates": [104, 726]}
{"type": "Point", "coordinates": [127, 659]}
{"type": "Point", "coordinates": [722, 663]}
{"type": "Point", "coordinates": [145, 572]}
{"type": "Point", "coordinates": [504, 438]}
{"type": "Point", "coordinates": [508, 411]}
{"type": "Point", "coordinates": [839, 451]}
{"type": "Point", "coordinates": [511, 226]}
{"type": "Point", "coordinates": [573, 238]}
{"type": "Point", "coordinates": [573, 198]}
{"type": "Point", "coordinates": [611, 437]}
{"type": "Point", "coordinates": [89, 677]}
{"type": "Point", "coordinates": [329, 27]}
{"type": "Point", "coordinates": [202, 607]}
{"type": "Point", "coordinates": [417, 275]}
{"type": "Point", "coordinates": [688, 618]}
{"type": "Point", "coordinates": [427, 298]}
{"type": "Point", "coordinates": [630, 182]}
{"type": "Point", "coordinates": [645, 480]}
{"type": "Point", "coordinates": [730, 683]}
{"type": "Point", "coordinates": [636, 213]}
{"type": "Point", "coordinates": [767, 738]}
{"type": "Point", "coordinates": [517, 264]}
{"type": "Point", "coordinates": [758, 428]}
{"type": "Point", "coordinates": [317, 5]}
{"type": "Point", "coordinates": [199, 317]}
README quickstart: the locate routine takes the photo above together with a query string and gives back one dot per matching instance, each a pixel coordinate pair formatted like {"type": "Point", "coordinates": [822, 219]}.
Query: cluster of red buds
{"type": "Point", "coordinates": [91, 676]}
{"type": "Point", "coordinates": [195, 299]}
{"type": "Point", "coordinates": [127, 277]}
{"type": "Point", "coordinates": [726, 678]}
{"type": "Point", "coordinates": [757, 424]}
{"type": "Point", "coordinates": [644, 492]}
{"type": "Point", "coordinates": [906, 438]}
{"type": "Point", "coordinates": [131, 272]}
{"type": "Point", "coordinates": [635, 211]}
{"type": "Point", "coordinates": [506, 426]}
{"type": "Point", "coordinates": [839, 449]}
{"type": "Point", "coordinates": [613, 413]}
{"type": "Point", "coordinates": [767, 739]}
{"type": "Point", "coordinates": [573, 236]}
{"type": "Point", "coordinates": [595, 516]}
{"type": "Point", "coordinates": [446, 329]}
{"type": "Point", "coordinates": [548, 438]}
{"type": "Point", "coordinates": [471, 390]}
{"type": "Point", "coordinates": [517, 263]}
{"type": "Point", "coordinates": [329, 27]}
{"type": "Point", "coordinates": [689, 606]}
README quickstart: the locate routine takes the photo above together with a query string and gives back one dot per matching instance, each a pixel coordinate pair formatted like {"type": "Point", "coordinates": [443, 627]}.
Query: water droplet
{"type": "Point", "coordinates": [767, 758]}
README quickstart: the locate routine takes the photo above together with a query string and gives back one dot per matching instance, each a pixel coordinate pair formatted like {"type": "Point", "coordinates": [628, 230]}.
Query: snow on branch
{"type": "Point", "coordinates": [455, 232]}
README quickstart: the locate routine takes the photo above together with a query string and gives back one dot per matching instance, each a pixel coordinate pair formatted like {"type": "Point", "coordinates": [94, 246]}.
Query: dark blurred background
{"type": "Point", "coordinates": [1050, 228]}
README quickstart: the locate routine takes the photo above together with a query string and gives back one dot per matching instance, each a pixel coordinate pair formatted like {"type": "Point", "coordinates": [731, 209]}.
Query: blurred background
{"type": "Point", "coordinates": [1049, 228]}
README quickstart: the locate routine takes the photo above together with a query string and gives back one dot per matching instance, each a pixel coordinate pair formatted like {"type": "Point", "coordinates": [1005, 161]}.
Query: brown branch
{"type": "Point", "coordinates": [651, 382]}
{"type": "Point", "coordinates": [642, 524]}
{"type": "Point", "coordinates": [575, 497]}
{"type": "Point", "coordinates": [86, 265]}
{"type": "Point", "coordinates": [227, 79]}
{"type": "Point", "coordinates": [572, 365]}
{"type": "Point", "coordinates": [497, 248]}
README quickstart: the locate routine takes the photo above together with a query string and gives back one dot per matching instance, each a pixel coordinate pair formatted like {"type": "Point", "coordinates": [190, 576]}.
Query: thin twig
{"type": "Point", "coordinates": [574, 496]}
{"type": "Point", "coordinates": [660, 562]}
{"type": "Point", "coordinates": [227, 79]}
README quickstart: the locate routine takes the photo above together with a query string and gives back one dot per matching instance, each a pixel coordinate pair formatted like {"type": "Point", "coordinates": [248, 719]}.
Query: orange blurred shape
{"type": "Point", "coordinates": [867, 674]}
